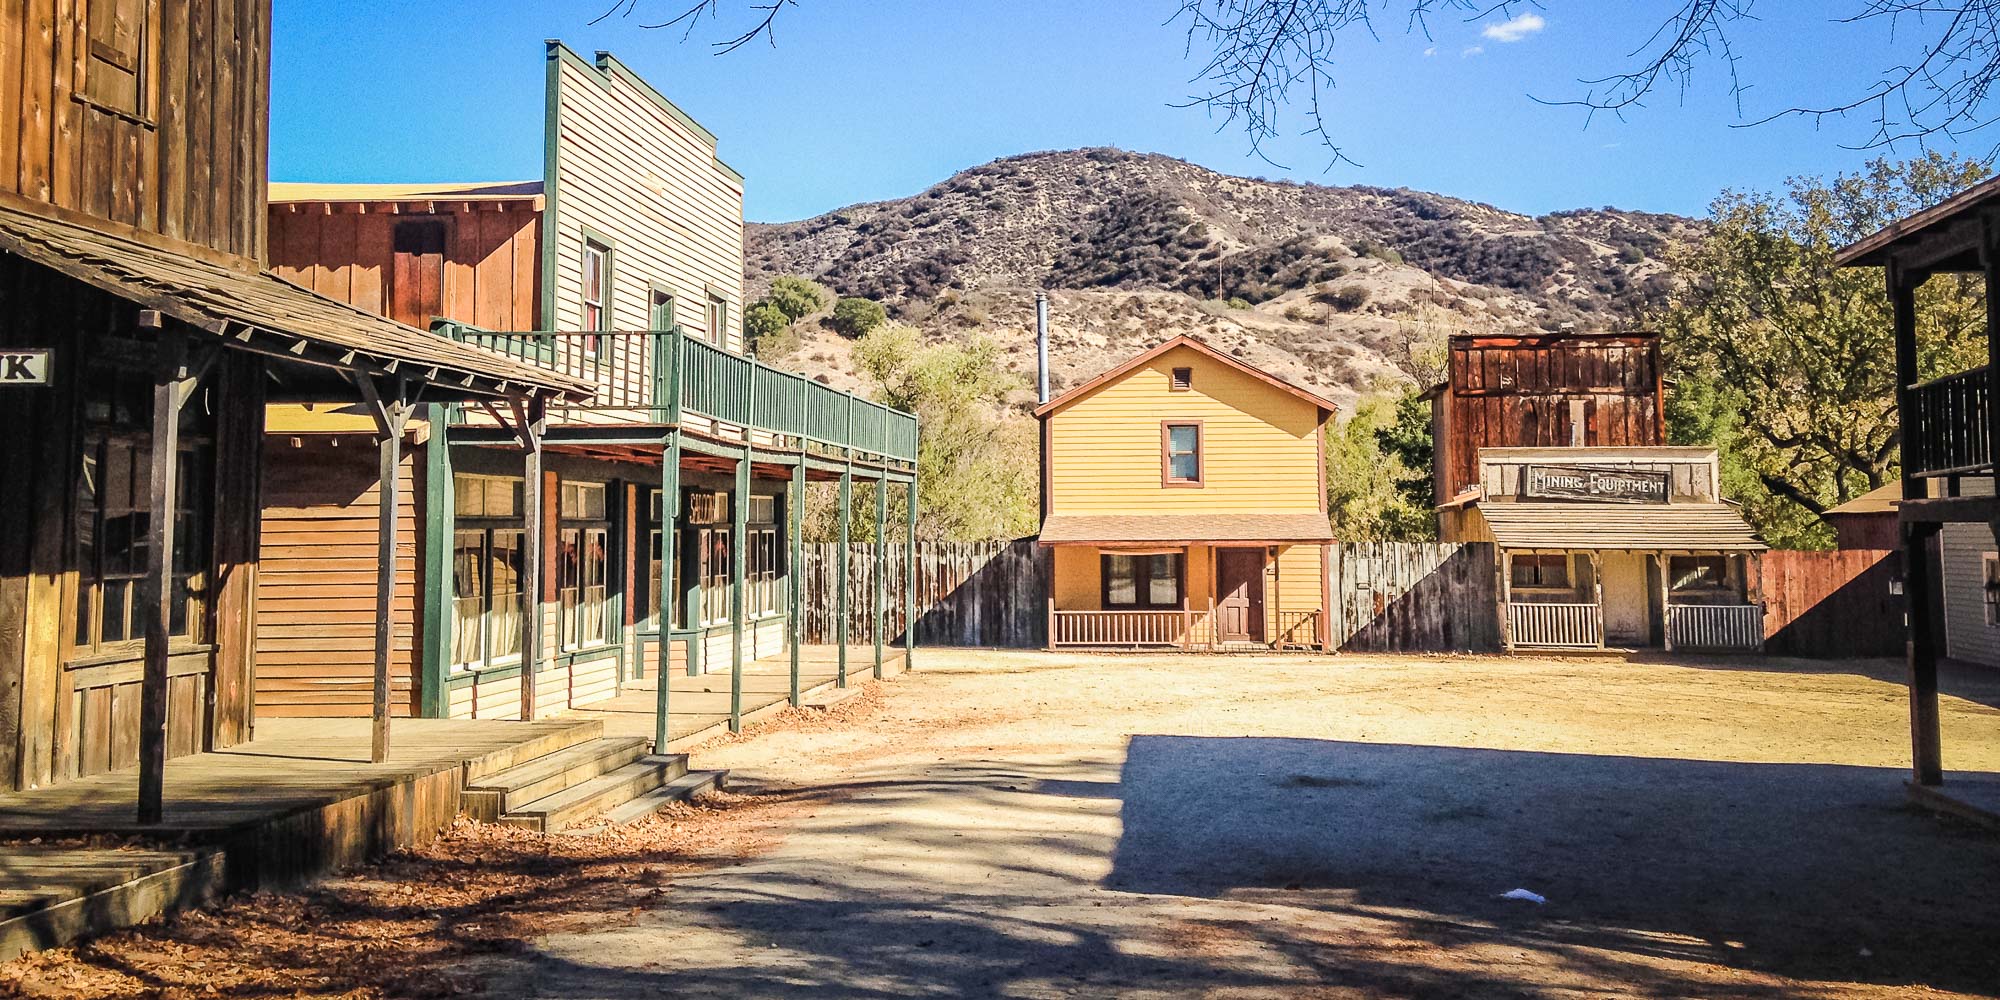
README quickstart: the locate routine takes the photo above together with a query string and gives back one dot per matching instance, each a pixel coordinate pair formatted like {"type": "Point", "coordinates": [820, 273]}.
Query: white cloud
{"type": "Point", "coordinates": [1516, 28]}
{"type": "Point", "coordinates": [1470, 51]}
{"type": "Point", "coordinates": [1429, 52]}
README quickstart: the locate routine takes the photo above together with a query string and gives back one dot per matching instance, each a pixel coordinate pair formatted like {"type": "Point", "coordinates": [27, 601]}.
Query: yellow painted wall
{"type": "Point", "coordinates": [1260, 444]}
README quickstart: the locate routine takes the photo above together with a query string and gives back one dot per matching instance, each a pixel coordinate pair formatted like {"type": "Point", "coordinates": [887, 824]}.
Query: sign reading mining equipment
{"type": "Point", "coordinates": [1607, 485]}
{"type": "Point", "coordinates": [24, 366]}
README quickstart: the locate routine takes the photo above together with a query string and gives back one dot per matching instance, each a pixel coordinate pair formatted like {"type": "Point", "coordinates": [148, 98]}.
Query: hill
{"type": "Point", "coordinates": [1316, 283]}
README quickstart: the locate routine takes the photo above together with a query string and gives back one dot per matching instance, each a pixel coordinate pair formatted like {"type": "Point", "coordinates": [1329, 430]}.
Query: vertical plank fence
{"type": "Point", "coordinates": [1414, 597]}
{"type": "Point", "coordinates": [1832, 604]}
{"type": "Point", "coordinates": [968, 593]}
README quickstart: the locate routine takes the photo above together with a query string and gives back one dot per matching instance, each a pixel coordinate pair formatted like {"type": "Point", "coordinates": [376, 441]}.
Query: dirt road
{"type": "Point", "coordinates": [1035, 825]}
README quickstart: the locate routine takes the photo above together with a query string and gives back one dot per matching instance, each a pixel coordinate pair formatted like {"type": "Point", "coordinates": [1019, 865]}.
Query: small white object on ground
{"type": "Point", "coordinates": [1532, 897]}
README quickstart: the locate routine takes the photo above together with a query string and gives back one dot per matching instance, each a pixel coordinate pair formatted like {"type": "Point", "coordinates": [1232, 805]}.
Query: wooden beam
{"type": "Point", "coordinates": [881, 581]}
{"type": "Point", "coordinates": [170, 363]}
{"type": "Point", "coordinates": [391, 412]}
{"type": "Point", "coordinates": [535, 422]}
{"type": "Point", "coordinates": [1920, 651]}
{"type": "Point", "coordinates": [795, 512]}
{"type": "Point", "coordinates": [840, 581]}
{"type": "Point", "coordinates": [738, 607]}
{"type": "Point", "coordinates": [670, 515]}
{"type": "Point", "coordinates": [910, 575]}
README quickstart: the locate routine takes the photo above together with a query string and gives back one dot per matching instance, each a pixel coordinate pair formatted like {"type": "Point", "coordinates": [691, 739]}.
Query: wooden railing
{"type": "Point", "coordinates": [1298, 629]}
{"type": "Point", "coordinates": [740, 396]}
{"type": "Point", "coordinates": [1715, 626]}
{"type": "Point", "coordinates": [1178, 629]}
{"type": "Point", "coordinates": [1945, 431]}
{"type": "Point", "coordinates": [1555, 626]}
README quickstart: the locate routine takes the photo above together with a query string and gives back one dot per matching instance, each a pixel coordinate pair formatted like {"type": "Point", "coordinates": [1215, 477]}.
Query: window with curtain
{"type": "Point", "coordinates": [1141, 582]}
{"type": "Point", "coordinates": [583, 563]}
{"type": "Point", "coordinates": [487, 567]}
{"type": "Point", "coordinates": [596, 287]}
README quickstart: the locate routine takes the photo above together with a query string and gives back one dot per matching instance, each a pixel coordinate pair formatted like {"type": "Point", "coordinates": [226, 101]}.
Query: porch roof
{"type": "Point", "coordinates": [1705, 527]}
{"type": "Point", "coordinates": [1179, 529]}
{"type": "Point", "coordinates": [268, 314]}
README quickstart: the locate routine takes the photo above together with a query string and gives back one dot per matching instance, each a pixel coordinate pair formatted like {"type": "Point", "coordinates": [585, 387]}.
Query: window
{"type": "Point", "coordinates": [712, 548]}
{"type": "Point", "coordinates": [596, 292]}
{"type": "Point", "coordinates": [1180, 460]}
{"type": "Point", "coordinates": [663, 310]}
{"type": "Point", "coordinates": [1698, 572]}
{"type": "Point", "coordinates": [718, 318]}
{"type": "Point", "coordinates": [760, 585]}
{"type": "Point", "coordinates": [113, 515]}
{"type": "Point", "coordinates": [1992, 588]}
{"type": "Point", "coordinates": [487, 567]}
{"type": "Point", "coordinates": [115, 70]}
{"type": "Point", "coordinates": [1182, 380]}
{"type": "Point", "coordinates": [583, 564]}
{"type": "Point", "coordinates": [1141, 581]}
{"type": "Point", "coordinates": [416, 271]}
{"type": "Point", "coordinates": [1540, 571]}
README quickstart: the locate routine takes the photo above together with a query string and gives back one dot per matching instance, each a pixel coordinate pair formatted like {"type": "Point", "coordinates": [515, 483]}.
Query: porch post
{"type": "Point", "coordinates": [531, 562]}
{"type": "Point", "coordinates": [738, 527]}
{"type": "Point", "coordinates": [795, 512]}
{"type": "Point", "coordinates": [840, 583]}
{"type": "Point", "coordinates": [1921, 655]}
{"type": "Point", "coordinates": [1597, 588]}
{"type": "Point", "coordinates": [670, 513]}
{"type": "Point", "coordinates": [881, 568]}
{"type": "Point", "coordinates": [391, 416]}
{"type": "Point", "coordinates": [1504, 561]}
{"type": "Point", "coordinates": [910, 571]}
{"type": "Point", "coordinates": [169, 365]}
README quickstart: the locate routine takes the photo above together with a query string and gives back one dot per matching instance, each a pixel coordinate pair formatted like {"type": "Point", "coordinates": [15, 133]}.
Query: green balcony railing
{"type": "Point", "coordinates": [631, 368]}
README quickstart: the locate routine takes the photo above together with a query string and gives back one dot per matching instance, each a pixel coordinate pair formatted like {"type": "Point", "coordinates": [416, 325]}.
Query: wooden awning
{"type": "Point", "coordinates": [1666, 527]}
{"type": "Point", "coordinates": [1187, 529]}
{"type": "Point", "coordinates": [259, 311]}
{"type": "Point", "coordinates": [1943, 237]}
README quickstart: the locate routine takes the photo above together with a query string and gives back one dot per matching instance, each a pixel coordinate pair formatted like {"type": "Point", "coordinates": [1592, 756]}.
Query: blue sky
{"type": "Point", "coordinates": [879, 99]}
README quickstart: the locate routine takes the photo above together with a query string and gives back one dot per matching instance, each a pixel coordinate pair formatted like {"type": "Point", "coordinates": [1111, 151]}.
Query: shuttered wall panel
{"type": "Point", "coordinates": [316, 589]}
{"type": "Point", "coordinates": [632, 171]}
{"type": "Point", "coordinates": [491, 266]}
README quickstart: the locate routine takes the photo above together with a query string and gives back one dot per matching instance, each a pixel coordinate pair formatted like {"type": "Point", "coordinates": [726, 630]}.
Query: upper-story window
{"type": "Point", "coordinates": [596, 291]}
{"type": "Point", "coordinates": [1181, 380]}
{"type": "Point", "coordinates": [1180, 453]}
{"type": "Point", "coordinates": [115, 65]}
{"type": "Point", "coordinates": [718, 315]}
{"type": "Point", "coordinates": [416, 277]}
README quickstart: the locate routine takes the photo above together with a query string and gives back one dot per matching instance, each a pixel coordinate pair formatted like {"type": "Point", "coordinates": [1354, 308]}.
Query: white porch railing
{"type": "Point", "coordinates": [1124, 628]}
{"type": "Point", "coordinates": [1715, 626]}
{"type": "Point", "coordinates": [1555, 626]}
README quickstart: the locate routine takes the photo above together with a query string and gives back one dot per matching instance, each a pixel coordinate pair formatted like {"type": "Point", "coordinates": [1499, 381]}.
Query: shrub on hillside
{"type": "Point", "coordinates": [1348, 298]}
{"type": "Point", "coordinates": [795, 297]}
{"type": "Point", "coordinates": [764, 320]}
{"type": "Point", "coordinates": [854, 317]}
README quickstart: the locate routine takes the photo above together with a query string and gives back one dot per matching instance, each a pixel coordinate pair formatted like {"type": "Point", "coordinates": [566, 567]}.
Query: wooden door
{"type": "Point", "coordinates": [1239, 595]}
{"type": "Point", "coordinates": [416, 279]}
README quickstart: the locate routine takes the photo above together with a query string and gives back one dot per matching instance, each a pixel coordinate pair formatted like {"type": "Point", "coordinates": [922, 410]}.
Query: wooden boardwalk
{"type": "Point", "coordinates": [698, 706]}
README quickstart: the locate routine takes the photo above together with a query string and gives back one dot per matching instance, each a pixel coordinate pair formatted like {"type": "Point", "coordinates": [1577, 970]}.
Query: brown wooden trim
{"type": "Point", "coordinates": [1167, 481]}
{"type": "Point", "coordinates": [1183, 340]}
{"type": "Point", "coordinates": [1319, 453]}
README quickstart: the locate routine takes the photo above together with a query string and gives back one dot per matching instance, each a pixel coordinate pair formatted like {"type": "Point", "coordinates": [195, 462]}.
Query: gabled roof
{"type": "Point", "coordinates": [1881, 500]}
{"type": "Point", "coordinates": [1194, 344]}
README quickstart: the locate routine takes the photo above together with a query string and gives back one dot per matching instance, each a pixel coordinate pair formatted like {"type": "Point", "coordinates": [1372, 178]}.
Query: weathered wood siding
{"type": "Point", "coordinates": [188, 164]}
{"type": "Point", "coordinates": [488, 275]}
{"type": "Point", "coordinates": [316, 590]}
{"type": "Point", "coordinates": [628, 166]}
{"type": "Point", "coordinates": [968, 593]}
{"type": "Point", "coordinates": [1694, 474]}
{"type": "Point", "coordinates": [1833, 604]}
{"type": "Point", "coordinates": [1518, 391]}
{"type": "Point", "coordinates": [1414, 597]}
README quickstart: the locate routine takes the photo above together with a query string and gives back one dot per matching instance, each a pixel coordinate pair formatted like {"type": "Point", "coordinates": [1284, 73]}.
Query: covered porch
{"type": "Point", "coordinates": [1193, 583]}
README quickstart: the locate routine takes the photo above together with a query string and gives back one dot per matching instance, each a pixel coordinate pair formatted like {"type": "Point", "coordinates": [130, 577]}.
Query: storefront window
{"type": "Point", "coordinates": [583, 561]}
{"type": "Point", "coordinates": [1141, 581]}
{"type": "Point", "coordinates": [1545, 571]}
{"type": "Point", "coordinates": [487, 568]}
{"type": "Point", "coordinates": [1698, 572]}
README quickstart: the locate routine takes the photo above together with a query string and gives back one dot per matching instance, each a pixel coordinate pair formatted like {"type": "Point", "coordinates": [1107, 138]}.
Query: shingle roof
{"type": "Point", "coordinates": [1673, 526]}
{"type": "Point", "coordinates": [1082, 529]}
{"type": "Point", "coordinates": [1192, 343]}
{"type": "Point", "coordinates": [227, 300]}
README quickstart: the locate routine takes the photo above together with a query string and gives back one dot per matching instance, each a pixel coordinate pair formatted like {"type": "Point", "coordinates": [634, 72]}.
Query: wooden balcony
{"type": "Point", "coordinates": [1945, 432]}
{"type": "Point", "coordinates": [658, 378]}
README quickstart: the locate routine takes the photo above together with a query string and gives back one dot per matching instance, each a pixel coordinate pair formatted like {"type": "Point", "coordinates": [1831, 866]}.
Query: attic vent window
{"type": "Point", "coordinates": [1183, 380]}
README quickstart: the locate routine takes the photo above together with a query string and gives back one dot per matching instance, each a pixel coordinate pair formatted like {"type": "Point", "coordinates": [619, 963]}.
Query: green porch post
{"type": "Point", "coordinates": [881, 569]}
{"type": "Point", "coordinates": [840, 581]}
{"type": "Point", "coordinates": [738, 527]}
{"type": "Point", "coordinates": [667, 395]}
{"type": "Point", "coordinates": [436, 624]}
{"type": "Point", "coordinates": [795, 512]}
{"type": "Point", "coordinates": [910, 571]}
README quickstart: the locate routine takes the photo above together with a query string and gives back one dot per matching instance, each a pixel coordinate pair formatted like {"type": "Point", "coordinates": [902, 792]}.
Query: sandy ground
{"type": "Point", "coordinates": [1012, 824]}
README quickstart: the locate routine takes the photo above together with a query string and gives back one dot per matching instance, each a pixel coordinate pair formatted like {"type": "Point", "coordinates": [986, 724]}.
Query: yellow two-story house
{"type": "Point", "coordinates": [1184, 501]}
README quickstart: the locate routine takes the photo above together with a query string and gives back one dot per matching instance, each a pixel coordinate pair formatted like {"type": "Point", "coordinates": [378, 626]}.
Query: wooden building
{"type": "Point", "coordinates": [1867, 521]}
{"type": "Point", "coordinates": [1947, 426]}
{"type": "Point", "coordinates": [1551, 446]}
{"type": "Point", "coordinates": [140, 341]}
{"type": "Point", "coordinates": [1184, 496]}
{"type": "Point", "coordinates": [666, 508]}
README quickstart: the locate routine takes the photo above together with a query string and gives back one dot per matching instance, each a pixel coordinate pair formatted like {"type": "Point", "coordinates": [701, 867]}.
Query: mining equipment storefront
{"type": "Point", "coordinates": [1591, 558]}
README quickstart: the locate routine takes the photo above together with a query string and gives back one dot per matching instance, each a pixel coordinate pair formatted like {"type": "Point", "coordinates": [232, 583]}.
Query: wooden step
{"type": "Point", "coordinates": [613, 788]}
{"type": "Point", "coordinates": [680, 789]}
{"type": "Point", "coordinates": [494, 795]}
{"type": "Point", "coordinates": [548, 736]}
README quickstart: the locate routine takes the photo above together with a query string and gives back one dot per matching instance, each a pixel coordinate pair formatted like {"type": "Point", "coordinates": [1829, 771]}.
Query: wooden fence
{"type": "Point", "coordinates": [968, 593]}
{"type": "Point", "coordinates": [1414, 597]}
{"type": "Point", "coordinates": [1832, 604]}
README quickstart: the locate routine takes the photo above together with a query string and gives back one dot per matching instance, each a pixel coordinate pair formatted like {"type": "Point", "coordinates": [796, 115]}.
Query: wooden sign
{"type": "Point", "coordinates": [24, 366]}
{"type": "Point", "coordinates": [1558, 482]}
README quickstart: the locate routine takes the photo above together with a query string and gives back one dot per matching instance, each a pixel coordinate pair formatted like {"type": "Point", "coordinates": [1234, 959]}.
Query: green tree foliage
{"type": "Point", "coordinates": [795, 298]}
{"type": "Point", "coordinates": [1371, 486]}
{"type": "Point", "coordinates": [855, 317]}
{"type": "Point", "coordinates": [764, 320]}
{"type": "Point", "coordinates": [1786, 362]}
{"type": "Point", "coordinates": [976, 463]}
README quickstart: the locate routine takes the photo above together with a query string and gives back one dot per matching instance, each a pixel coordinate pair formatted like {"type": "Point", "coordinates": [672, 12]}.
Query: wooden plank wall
{"type": "Point", "coordinates": [1414, 597]}
{"type": "Point", "coordinates": [968, 593]}
{"type": "Point", "coordinates": [316, 585]}
{"type": "Point", "coordinates": [1832, 604]}
{"type": "Point", "coordinates": [1509, 392]}
{"type": "Point", "coordinates": [190, 166]}
{"type": "Point", "coordinates": [489, 275]}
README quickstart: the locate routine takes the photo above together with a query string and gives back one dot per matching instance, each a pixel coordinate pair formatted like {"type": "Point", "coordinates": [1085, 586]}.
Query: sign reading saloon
{"type": "Point", "coordinates": [20, 366]}
{"type": "Point", "coordinates": [1608, 485]}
